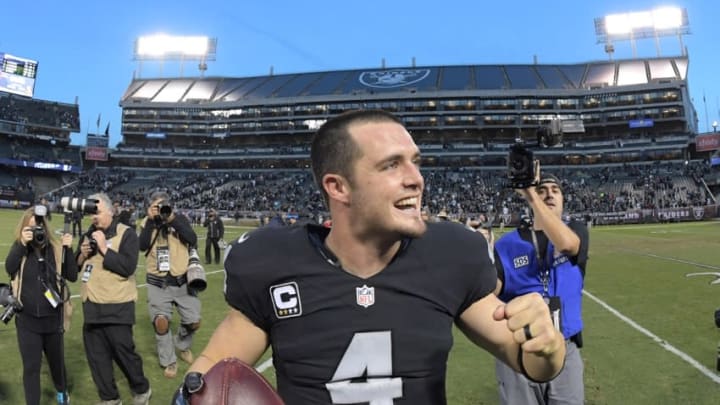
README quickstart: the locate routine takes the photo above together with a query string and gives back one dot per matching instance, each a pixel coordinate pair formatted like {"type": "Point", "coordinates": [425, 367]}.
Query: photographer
{"type": "Point", "coordinates": [76, 219]}
{"type": "Point", "coordinates": [215, 232]}
{"type": "Point", "coordinates": [166, 238]}
{"type": "Point", "coordinates": [38, 265]}
{"type": "Point", "coordinates": [547, 256]}
{"type": "Point", "coordinates": [108, 256]}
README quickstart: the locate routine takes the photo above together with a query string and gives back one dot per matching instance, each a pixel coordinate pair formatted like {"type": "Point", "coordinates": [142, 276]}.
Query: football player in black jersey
{"type": "Point", "coordinates": [362, 313]}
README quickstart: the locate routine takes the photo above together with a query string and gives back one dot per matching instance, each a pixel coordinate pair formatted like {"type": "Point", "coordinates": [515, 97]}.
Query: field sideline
{"type": "Point", "coordinates": [649, 331]}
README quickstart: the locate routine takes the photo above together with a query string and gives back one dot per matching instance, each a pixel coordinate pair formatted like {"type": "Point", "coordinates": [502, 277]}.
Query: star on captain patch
{"type": "Point", "coordinates": [365, 295]}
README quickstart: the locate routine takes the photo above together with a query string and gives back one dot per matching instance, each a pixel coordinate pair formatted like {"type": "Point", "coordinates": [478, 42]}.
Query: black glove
{"type": "Point", "coordinates": [192, 384]}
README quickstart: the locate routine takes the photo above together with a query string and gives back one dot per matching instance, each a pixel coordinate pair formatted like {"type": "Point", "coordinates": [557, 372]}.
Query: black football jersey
{"type": "Point", "coordinates": [341, 339]}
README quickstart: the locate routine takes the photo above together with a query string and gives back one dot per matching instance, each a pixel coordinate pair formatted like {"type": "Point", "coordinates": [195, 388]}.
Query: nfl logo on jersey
{"type": "Point", "coordinates": [365, 295]}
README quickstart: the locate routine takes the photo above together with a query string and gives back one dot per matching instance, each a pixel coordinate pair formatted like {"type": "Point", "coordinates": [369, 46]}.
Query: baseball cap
{"type": "Point", "coordinates": [547, 178]}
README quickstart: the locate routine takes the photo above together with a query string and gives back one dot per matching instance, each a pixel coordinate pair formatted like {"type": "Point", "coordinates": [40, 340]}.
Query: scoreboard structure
{"type": "Point", "coordinates": [97, 147]}
{"type": "Point", "coordinates": [17, 75]}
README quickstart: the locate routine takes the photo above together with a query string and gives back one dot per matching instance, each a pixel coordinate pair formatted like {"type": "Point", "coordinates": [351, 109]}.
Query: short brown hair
{"type": "Point", "coordinates": [333, 149]}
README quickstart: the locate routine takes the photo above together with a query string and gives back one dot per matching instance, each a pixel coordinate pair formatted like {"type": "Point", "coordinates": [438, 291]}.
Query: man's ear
{"type": "Point", "coordinates": [336, 187]}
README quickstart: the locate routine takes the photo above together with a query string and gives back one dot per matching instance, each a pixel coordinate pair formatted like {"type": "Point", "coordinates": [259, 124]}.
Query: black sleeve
{"type": "Point", "coordinates": [69, 266]}
{"type": "Point", "coordinates": [247, 271]}
{"type": "Point", "coordinates": [222, 228]}
{"type": "Point", "coordinates": [145, 238]}
{"type": "Point", "coordinates": [581, 231]}
{"type": "Point", "coordinates": [463, 253]}
{"type": "Point", "coordinates": [14, 258]}
{"type": "Point", "coordinates": [77, 249]}
{"type": "Point", "coordinates": [184, 230]}
{"type": "Point", "coordinates": [500, 270]}
{"type": "Point", "coordinates": [486, 282]}
{"type": "Point", "coordinates": [125, 261]}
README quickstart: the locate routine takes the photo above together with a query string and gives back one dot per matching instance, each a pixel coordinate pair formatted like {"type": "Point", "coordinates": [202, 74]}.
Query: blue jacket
{"type": "Point", "coordinates": [522, 275]}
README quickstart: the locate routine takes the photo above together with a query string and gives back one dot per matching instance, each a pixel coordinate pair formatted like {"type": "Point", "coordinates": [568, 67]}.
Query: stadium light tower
{"type": "Point", "coordinates": [665, 21]}
{"type": "Point", "coordinates": [162, 47]}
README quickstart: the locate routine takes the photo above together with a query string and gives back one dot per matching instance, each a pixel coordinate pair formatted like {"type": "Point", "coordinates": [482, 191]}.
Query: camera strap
{"type": "Point", "coordinates": [157, 234]}
{"type": "Point", "coordinates": [553, 302]}
{"type": "Point", "coordinates": [50, 293]}
{"type": "Point", "coordinates": [16, 283]}
{"type": "Point", "coordinates": [544, 268]}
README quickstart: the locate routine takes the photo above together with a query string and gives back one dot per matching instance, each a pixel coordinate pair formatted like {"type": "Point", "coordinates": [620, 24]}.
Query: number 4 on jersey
{"type": "Point", "coordinates": [368, 354]}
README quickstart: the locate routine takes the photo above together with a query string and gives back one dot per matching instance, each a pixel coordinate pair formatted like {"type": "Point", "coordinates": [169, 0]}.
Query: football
{"type": "Point", "coordinates": [232, 382]}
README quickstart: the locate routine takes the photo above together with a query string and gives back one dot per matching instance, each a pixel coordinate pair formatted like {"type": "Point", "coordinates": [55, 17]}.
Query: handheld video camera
{"type": "Point", "coordinates": [86, 205]}
{"type": "Point", "coordinates": [11, 304]}
{"type": "Point", "coordinates": [521, 162]}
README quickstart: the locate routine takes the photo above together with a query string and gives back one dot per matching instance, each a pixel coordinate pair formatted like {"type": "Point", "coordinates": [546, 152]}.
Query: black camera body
{"type": "Point", "coordinates": [11, 304]}
{"type": "Point", "coordinates": [91, 241]}
{"type": "Point", "coordinates": [521, 161]}
{"type": "Point", "coordinates": [86, 205]}
{"type": "Point", "coordinates": [165, 211]}
{"type": "Point", "coordinates": [39, 239]}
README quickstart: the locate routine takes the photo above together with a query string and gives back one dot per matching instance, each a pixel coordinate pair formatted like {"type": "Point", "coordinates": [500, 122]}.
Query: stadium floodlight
{"type": "Point", "coordinates": [664, 21]}
{"type": "Point", "coordinates": [169, 47]}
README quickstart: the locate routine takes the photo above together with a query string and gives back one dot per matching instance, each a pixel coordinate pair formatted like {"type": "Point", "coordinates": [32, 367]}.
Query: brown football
{"type": "Point", "coordinates": [232, 382]}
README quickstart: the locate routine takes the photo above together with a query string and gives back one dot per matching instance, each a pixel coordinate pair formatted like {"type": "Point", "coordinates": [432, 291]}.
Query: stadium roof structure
{"type": "Point", "coordinates": [406, 82]}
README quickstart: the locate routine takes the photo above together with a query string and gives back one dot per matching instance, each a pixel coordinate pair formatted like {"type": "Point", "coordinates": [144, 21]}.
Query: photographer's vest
{"type": "Point", "coordinates": [178, 254]}
{"type": "Point", "coordinates": [16, 283]}
{"type": "Point", "coordinates": [522, 275]}
{"type": "Point", "coordinates": [104, 286]}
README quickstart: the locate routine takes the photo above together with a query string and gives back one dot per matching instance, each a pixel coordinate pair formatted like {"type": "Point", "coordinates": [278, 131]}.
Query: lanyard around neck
{"type": "Point", "coordinates": [544, 267]}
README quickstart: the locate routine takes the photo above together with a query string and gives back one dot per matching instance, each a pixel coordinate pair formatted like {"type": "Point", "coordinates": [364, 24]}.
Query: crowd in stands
{"type": "Point", "coordinates": [460, 192]}
{"type": "Point", "coordinates": [27, 111]}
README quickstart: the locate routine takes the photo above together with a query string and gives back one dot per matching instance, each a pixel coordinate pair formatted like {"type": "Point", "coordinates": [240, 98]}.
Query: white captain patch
{"type": "Point", "coordinates": [286, 300]}
{"type": "Point", "coordinates": [365, 296]}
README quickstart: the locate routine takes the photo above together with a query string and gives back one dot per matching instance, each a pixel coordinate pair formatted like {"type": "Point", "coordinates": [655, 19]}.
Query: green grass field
{"type": "Point", "coordinates": [649, 333]}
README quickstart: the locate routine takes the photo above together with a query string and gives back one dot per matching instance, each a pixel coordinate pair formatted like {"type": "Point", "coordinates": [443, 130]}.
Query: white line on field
{"type": "Point", "coordinates": [672, 259]}
{"type": "Point", "coordinates": [145, 285]}
{"type": "Point", "coordinates": [264, 365]}
{"type": "Point", "coordinates": [648, 226]}
{"type": "Point", "coordinates": [665, 345]}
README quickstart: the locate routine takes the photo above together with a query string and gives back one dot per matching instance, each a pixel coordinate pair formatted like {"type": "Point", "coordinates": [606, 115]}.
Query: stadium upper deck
{"type": "Point", "coordinates": [484, 105]}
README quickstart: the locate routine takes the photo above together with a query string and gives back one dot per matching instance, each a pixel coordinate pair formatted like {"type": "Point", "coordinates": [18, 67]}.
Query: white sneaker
{"type": "Point", "coordinates": [110, 402]}
{"type": "Point", "coordinates": [142, 399]}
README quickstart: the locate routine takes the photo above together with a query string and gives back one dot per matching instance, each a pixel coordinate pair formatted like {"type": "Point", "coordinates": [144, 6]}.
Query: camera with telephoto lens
{"type": "Point", "coordinates": [39, 237]}
{"type": "Point", "coordinates": [11, 304]}
{"type": "Point", "coordinates": [196, 281]}
{"type": "Point", "coordinates": [86, 205]}
{"type": "Point", "coordinates": [165, 211]}
{"type": "Point", "coordinates": [521, 162]}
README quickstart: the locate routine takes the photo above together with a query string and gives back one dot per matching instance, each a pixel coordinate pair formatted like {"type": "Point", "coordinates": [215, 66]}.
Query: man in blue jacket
{"type": "Point", "coordinates": [547, 256]}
